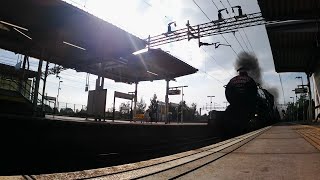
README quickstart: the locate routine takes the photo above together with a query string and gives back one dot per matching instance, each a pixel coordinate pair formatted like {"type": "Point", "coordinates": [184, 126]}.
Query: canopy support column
{"type": "Point", "coordinates": [135, 100]}
{"type": "Point", "coordinates": [44, 84]}
{"type": "Point", "coordinates": [36, 89]}
{"type": "Point", "coordinates": [167, 102]}
{"type": "Point", "coordinates": [310, 114]}
{"type": "Point", "coordinates": [22, 78]}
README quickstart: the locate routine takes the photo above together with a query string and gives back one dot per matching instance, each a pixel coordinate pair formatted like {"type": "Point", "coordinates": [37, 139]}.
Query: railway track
{"type": "Point", "coordinates": [55, 163]}
{"type": "Point", "coordinates": [169, 167]}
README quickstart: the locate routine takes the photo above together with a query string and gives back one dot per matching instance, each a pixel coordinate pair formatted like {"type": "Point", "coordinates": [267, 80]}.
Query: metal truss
{"type": "Point", "coordinates": [212, 28]}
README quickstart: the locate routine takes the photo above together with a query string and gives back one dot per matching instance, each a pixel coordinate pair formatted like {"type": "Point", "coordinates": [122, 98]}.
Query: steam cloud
{"type": "Point", "coordinates": [250, 63]}
{"type": "Point", "coordinates": [274, 91]}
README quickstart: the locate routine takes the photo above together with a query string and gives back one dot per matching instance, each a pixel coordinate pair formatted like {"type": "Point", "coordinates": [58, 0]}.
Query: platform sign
{"type": "Point", "coordinates": [139, 116]}
{"type": "Point", "coordinates": [49, 98]}
{"type": "Point", "coordinates": [97, 102]}
{"type": "Point", "coordinates": [300, 90]}
{"type": "Point", "coordinates": [123, 95]}
{"type": "Point", "coordinates": [174, 92]}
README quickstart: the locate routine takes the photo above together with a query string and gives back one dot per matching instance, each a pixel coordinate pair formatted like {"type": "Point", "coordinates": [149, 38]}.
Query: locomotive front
{"type": "Point", "coordinates": [241, 90]}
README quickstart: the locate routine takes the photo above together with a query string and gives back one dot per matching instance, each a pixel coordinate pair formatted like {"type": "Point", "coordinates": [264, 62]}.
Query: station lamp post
{"type": "Point", "coordinates": [210, 104]}
{"type": "Point", "coordinates": [300, 77]}
{"type": "Point", "coordinates": [131, 113]}
{"type": "Point", "coordinates": [292, 115]}
{"type": "Point", "coordinates": [181, 99]}
{"type": "Point", "coordinates": [296, 103]}
{"type": "Point", "coordinates": [59, 88]}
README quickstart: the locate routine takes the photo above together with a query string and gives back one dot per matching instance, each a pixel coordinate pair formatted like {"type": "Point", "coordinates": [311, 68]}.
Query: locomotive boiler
{"type": "Point", "coordinates": [251, 107]}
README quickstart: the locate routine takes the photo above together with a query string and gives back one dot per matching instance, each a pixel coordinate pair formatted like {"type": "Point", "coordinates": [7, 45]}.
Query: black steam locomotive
{"type": "Point", "coordinates": [251, 107]}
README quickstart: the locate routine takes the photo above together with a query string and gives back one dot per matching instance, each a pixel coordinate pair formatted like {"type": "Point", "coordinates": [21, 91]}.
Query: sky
{"type": "Point", "coordinates": [150, 17]}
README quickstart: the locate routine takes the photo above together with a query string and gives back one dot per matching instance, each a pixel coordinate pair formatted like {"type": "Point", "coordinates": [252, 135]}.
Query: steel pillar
{"type": "Point", "coordinates": [36, 89]}
{"type": "Point", "coordinates": [310, 99]}
{"type": "Point", "coordinates": [135, 100]}
{"type": "Point", "coordinates": [182, 106]}
{"type": "Point", "coordinates": [23, 72]}
{"type": "Point", "coordinates": [114, 108]}
{"type": "Point", "coordinates": [44, 84]}
{"type": "Point", "coordinates": [167, 102]}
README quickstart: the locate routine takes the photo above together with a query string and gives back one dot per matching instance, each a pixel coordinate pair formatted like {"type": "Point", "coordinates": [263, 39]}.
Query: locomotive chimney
{"type": "Point", "coordinates": [242, 71]}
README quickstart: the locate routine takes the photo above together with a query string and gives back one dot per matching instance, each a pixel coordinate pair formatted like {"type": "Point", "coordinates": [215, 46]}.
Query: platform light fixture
{"type": "Point", "coordinates": [292, 99]}
{"type": "Point", "coordinates": [13, 25]}
{"type": "Point", "coordinates": [140, 51]}
{"type": "Point", "coordinates": [22, 33]}
{"type": "Point", "coordinates": [70, 44]}
{"type": "Point", "coordinates": [152, 73]}
{"type": "Point", "coordinates": [3, 27]}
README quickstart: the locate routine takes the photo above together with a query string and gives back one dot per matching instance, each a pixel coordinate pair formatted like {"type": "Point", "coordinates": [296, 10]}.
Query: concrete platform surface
{"type": "Point", "coordinates": [280, 153]}
{"type": "Point", "coordinates": [277, 152]}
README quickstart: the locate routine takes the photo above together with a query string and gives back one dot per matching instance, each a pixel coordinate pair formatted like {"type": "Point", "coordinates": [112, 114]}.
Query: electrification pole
{"type": "Point", "coordinates": [300, 77]}
{"type": "Point", "coordinates": [292, 114]}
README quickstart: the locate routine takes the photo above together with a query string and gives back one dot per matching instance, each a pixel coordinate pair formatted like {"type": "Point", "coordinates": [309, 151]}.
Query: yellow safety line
{"type": "Point", "coordinates": [306, 132]}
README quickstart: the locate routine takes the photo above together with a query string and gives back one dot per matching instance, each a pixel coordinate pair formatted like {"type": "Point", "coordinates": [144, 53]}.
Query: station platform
{"type": "Point", "coordinates": [119, 121]}
{"type": "Point", "coordinates": [284, 151]}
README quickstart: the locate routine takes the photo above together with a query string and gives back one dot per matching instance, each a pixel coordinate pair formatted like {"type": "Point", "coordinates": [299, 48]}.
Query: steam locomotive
{"type": "Point", "coordinates": [251, 107]}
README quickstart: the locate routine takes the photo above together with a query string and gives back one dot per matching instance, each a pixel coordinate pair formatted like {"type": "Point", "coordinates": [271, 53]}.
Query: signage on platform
{"type": "Point", "coordinates": [174, 92]}
{"type": "Point", "coordinates": [123, 95]}
{"type": "Point", "coordinates": [49, 98]}
{"type": "Point", "coordinates": [300, 90]}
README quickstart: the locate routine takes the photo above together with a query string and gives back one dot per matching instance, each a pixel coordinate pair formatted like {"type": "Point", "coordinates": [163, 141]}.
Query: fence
{"type": "Point", "coordinates": [64, 107]}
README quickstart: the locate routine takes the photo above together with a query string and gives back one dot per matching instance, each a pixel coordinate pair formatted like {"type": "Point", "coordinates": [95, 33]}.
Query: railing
{"type": "Point", "coordinates": [65, 109]}
{"type": "Point", "coordinates": [23, 87]}
{"type": "Point", "coordinates": [64, 105]}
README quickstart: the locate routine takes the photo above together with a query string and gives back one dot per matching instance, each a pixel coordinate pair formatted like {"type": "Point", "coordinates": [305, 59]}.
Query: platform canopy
{"type": "Point", "coordinates": [154, 64]}
{"type": "Point", "coordinates": [294, 35]}
{"type": "Point", "coordinates": [274, 10]}
{"type": "Point", "coordinates": [60, 33]}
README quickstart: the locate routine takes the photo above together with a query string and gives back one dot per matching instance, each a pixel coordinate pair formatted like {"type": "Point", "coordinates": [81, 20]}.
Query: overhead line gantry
{"type": "Point", "coordinates": [220, 26]}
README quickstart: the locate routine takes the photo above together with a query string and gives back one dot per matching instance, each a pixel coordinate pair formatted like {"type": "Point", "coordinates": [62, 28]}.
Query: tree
{"type": "Point", "coordinates": [56, 110]}
{"type": "Point", "coordinates": [186, 111]}
{"type": "Point", "coordinates": [153, 107]}
{"type": "Point", "coordinates": [66, 111]}
{"type": "Point", "coordinates": [298, 110]}
{"type": "Point", "coordinates": [174, 113]}
{"type": "Point", "coordinates": [124, 107]}
{"type": "Point", "coordinates": [194, 110]}
{"type": "Point", "coordinates": [141, 106]}
{"type": "Point", "coordinates": [47, 109]}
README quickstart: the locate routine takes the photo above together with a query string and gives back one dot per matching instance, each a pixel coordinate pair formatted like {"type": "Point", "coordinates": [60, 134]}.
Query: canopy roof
{"type": "Point", "coordinates": [154, 64]}
{"type": "Point", "coordinates": [60, 33]}
{"type": "Point", "coordinates": [55, 26]}
{"type": "Point", "coordinates": [273, 10]}
{"type": "Point", "coordinates": [294, 40]}
{"type": "Point", "coordinates": [293, 52]}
